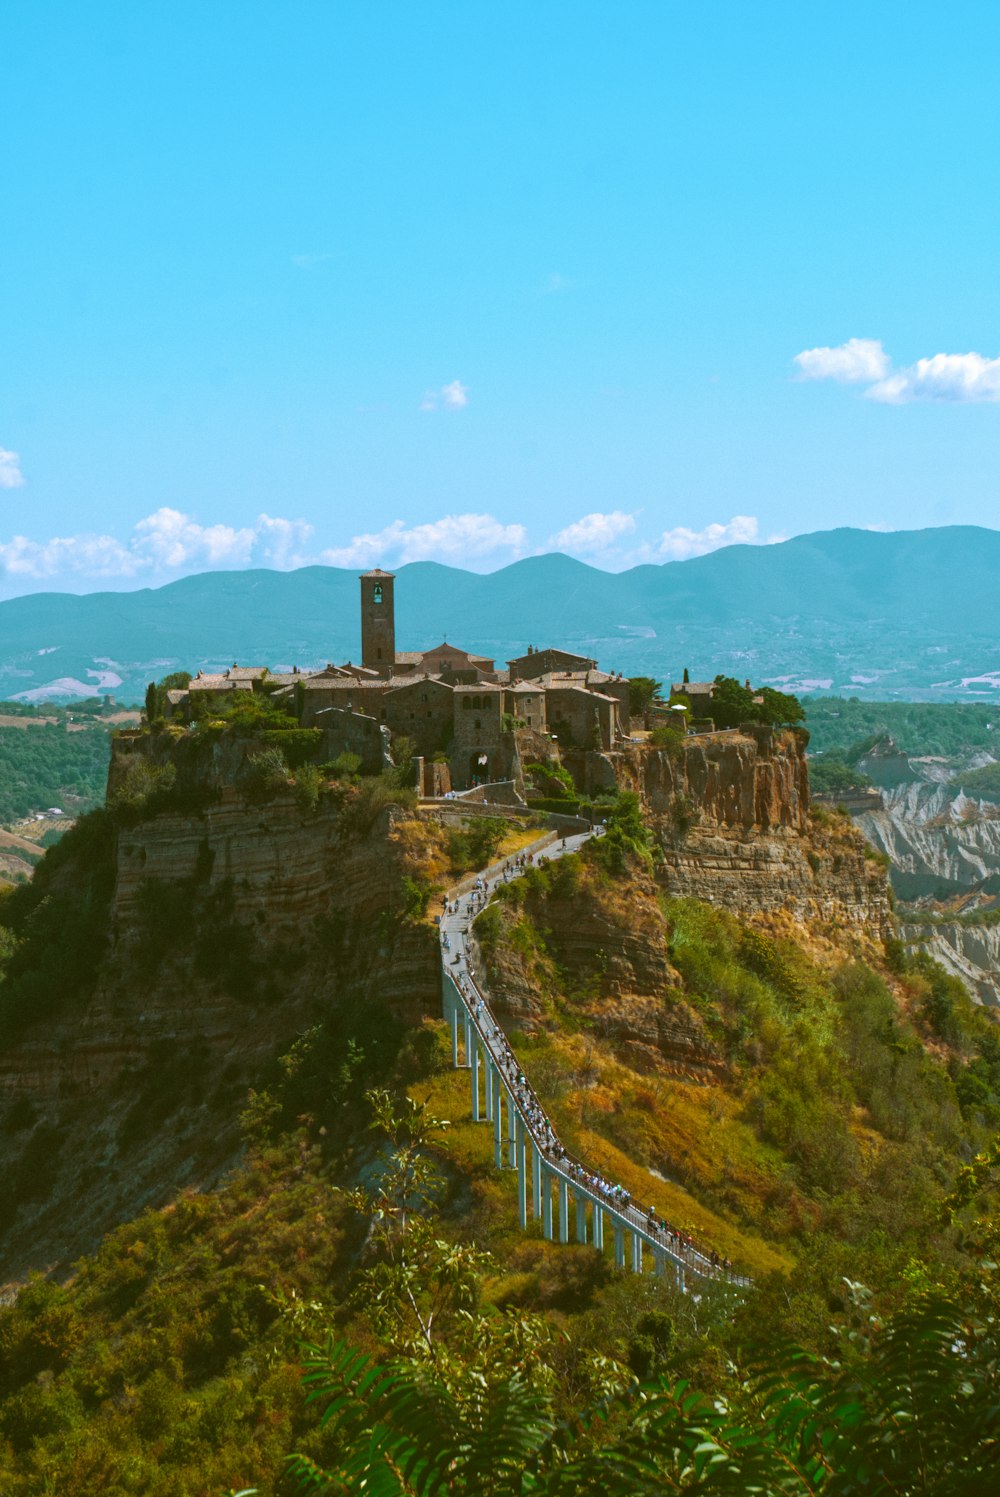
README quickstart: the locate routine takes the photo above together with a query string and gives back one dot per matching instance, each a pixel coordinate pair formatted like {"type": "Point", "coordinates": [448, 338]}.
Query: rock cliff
{"type": "Point", "coordinates": [227, 933]}
{"type": "Point", "coordinates": [732, 821]}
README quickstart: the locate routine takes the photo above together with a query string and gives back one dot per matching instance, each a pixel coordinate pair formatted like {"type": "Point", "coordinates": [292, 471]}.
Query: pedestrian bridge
{"type": "Point", "coordinates": [568, 1199]}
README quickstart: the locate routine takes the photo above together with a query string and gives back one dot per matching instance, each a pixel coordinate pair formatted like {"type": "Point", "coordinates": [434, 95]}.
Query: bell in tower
{"type": "Point", "coordinates": [378, 622]}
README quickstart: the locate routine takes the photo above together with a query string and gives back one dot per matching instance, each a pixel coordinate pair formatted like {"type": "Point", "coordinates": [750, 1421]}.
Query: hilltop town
{"type": "Point", "coordinates": [467, 721]}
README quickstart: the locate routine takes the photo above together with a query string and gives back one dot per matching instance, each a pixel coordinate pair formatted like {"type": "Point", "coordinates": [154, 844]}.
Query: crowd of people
{"type": "Point", "coordinates": [616, 1197]}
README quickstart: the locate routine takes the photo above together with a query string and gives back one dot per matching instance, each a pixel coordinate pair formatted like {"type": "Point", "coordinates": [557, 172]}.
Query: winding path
{"type": "Point", "coordinates": [525, 1140]}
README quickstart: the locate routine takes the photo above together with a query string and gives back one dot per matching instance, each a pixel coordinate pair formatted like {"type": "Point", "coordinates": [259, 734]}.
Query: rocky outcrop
{"type": "Point", "coordinates": [936, 839]}
{"type": "Point", "coordinates": [229, 933]}
{"type": "Point", "coordinates": [969, 951]}
{"type": "Point", "coordinates": [605, 951]}
{"type": "Point", "coordinates": [733, 826]}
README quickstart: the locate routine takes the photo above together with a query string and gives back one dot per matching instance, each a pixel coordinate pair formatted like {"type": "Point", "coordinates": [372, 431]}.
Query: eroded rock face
{"type": "Point", "coordinates": [936, 838]}
{"type": "Point", "coordinates": [731, 818]}
{"type": "Point", "coordinates": [229, 934]}
{"type": "Point", "coordinates": [604, 951]}
{"type": "Point", "coordinates": [968, 951]}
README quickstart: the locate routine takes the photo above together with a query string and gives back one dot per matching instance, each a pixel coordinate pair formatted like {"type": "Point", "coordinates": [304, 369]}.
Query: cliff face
{"type": "Point", "coordinates": [968, 951]}
{"type": "Point", "coordinates": [228, 933]}
{"type": "Point", "coordinates": [605, 947]}
{"type": "Point", "coordinates": [731, 817]}
{"type": "Point", "coordinates": [936, 838]}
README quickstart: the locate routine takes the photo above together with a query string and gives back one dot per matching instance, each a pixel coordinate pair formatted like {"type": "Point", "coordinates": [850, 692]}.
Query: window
{"type": "Point", "coordinates": [378, 654]}
{"type": "Point", "coordinates": [466, 704]}
{"type": "Point", "coordinates": [377, 593]}
{"type": "Point", "coordinates": [478, 723]}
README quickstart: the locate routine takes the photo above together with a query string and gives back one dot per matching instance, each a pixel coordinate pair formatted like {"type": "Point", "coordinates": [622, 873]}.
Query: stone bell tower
{"type": "Point", "coordinates": [378, 621]}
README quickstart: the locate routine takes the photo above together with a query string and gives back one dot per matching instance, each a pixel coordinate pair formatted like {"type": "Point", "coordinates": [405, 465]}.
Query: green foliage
{"type": "Point", "coordinates": [643, 693]}
{"type": "Point", "coordinates": [57, 926]}
{"type": "Point", "coordinates": [626, 837]}
{"type": "Point", "coordinates": [371, 796]}
{"type": "Point", "coordinates": [297, 745]}
{"type": "Point", "coordinates": [265, 775]}
{"type": "Point", "coordinates": [552, 780]}
{"type": "Point", "coordinates": [475, 844]}
{"type": "Point", "coordinates": [45, 765]}
{"type": "Point", "coordinates": [733, 704]}
{"type": "Point", "coordinates": [465, 1405]}
{"type": "Point", "coordinates": [669, 738]}
{"type": "Point", "coordinates": [918, 728]}
{"type": "Point", "coordinates": [831, 774]}
{"type": "Point", "coordinates": [346, 766]}
{"type": "Point", "coordinates": [980, 784]}
{"type": "Point", "coordinates": [307, 783]}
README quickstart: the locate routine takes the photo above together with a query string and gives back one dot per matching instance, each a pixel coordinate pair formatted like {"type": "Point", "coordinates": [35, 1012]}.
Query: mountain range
{"type": "Point", "coordinates": [909, 614]}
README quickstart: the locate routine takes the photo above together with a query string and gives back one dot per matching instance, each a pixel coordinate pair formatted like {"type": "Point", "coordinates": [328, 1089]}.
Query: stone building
{"type": "Point", "coordinates": [450, 703]}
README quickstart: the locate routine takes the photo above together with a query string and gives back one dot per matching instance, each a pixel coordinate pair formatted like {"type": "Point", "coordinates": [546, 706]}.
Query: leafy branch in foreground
{"type": "Point", "coordinates": [465, 1404]}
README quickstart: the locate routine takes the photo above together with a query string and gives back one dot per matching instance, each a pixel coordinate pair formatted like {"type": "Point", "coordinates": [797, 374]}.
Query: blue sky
{"type": "Point", "coordinates": [359, 282]}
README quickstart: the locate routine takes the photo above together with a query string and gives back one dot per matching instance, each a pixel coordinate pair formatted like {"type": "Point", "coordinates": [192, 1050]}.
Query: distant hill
{"type": "Point", "coordinates": [850, 612]}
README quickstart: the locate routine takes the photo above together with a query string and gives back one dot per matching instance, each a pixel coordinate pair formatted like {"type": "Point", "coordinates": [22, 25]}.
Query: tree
{"type": "Point", "coordinates": [643, 693]}
{"type": "Point", "coordinates": [909, 1406]}
{"type": "Point", "coordinates": [733, 704]}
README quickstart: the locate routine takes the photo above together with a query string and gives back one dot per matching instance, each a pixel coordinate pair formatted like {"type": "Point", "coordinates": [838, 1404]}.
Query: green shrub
{"type": "Point", "coordinates": [307, 783]}
{"type": "Point", "coordinates": [265, 775]}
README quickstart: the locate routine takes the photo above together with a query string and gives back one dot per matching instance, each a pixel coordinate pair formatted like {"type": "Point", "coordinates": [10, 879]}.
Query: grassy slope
{"type": "Point", "coordinates": [820, 1146]}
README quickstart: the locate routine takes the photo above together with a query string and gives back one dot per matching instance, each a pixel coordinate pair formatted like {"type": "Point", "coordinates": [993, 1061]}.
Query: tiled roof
{"type": "Point", "coordinates": [480, 687]}
{"type": "Point", "coordinates": [686, 688]}
{"type": "Point", "coordinates": [377, 572]}
{"type": "Point", "coordinates": [343, 684]}
{"type": "Point", "coordinates": [247, 672]}
{"type": "Point", "coordinates": [410, 657]}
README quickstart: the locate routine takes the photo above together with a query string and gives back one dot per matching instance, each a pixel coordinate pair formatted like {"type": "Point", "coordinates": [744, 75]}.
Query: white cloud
{"type": "Point", "coordinates": [946, 377]}
{"type": "Point", "coordinates": [458, 539]}
{"type": "Point", "coordinates": [594, 532]}
{"type": "Point", "coordinates": [858, 361]}
{"type": "Point", "coordinates": [452, 397]}
{"type": "Point", "coordinates": [168, 540]}
{"type": "Point", "coordinates": [165, 542]}
{"type": "Point", "coordinates": [282, 542]}
{"type": "Point", "coordinates": [681, 543]}
{"type": "Point", "coordinates": [11, 476]}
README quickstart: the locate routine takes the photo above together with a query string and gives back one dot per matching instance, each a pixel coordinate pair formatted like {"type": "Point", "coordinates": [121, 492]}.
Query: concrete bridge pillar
{"type": "Point", "coordinates": [474, 1075]}
{"type": "Point", "coordinates": [454, 1033]}
{"type": "Point", "coordinates": [536, 1180]}
{"type": "Point", "coordinates": [512, 1133]}
{"type": "Point", "coordinates": [546, 1183]}
{"type": "Point", "coordinates": [497, 1118]}
{"type": "Point", "coordinates": [598, 1228]}
{"type": "Point", "coordinates": [563, 1209]}
{"type": "Point", "coordinates": [581, 1217]}
{"type": "Point", "coordinates": [636, 1252]}
{"type": "Point", "coordinates": [659, 1262]}
{"type": "Point", "coordinates": [522, 1172]}
{"type": "Point", "coordinates": [488, 1068]}
{"type": "Point", "coordinates": [619, 1243]}
{"type": "Point", "coordinates": [468, 1035]}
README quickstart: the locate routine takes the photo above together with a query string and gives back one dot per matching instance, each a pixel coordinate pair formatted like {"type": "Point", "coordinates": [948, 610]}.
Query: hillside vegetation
{"type": "Point", "coordinates": [802, 1101]}
{"type": "Point", "coordinates": [56, 757]}
{"type": "Point", "coordinates": [917, 728]}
